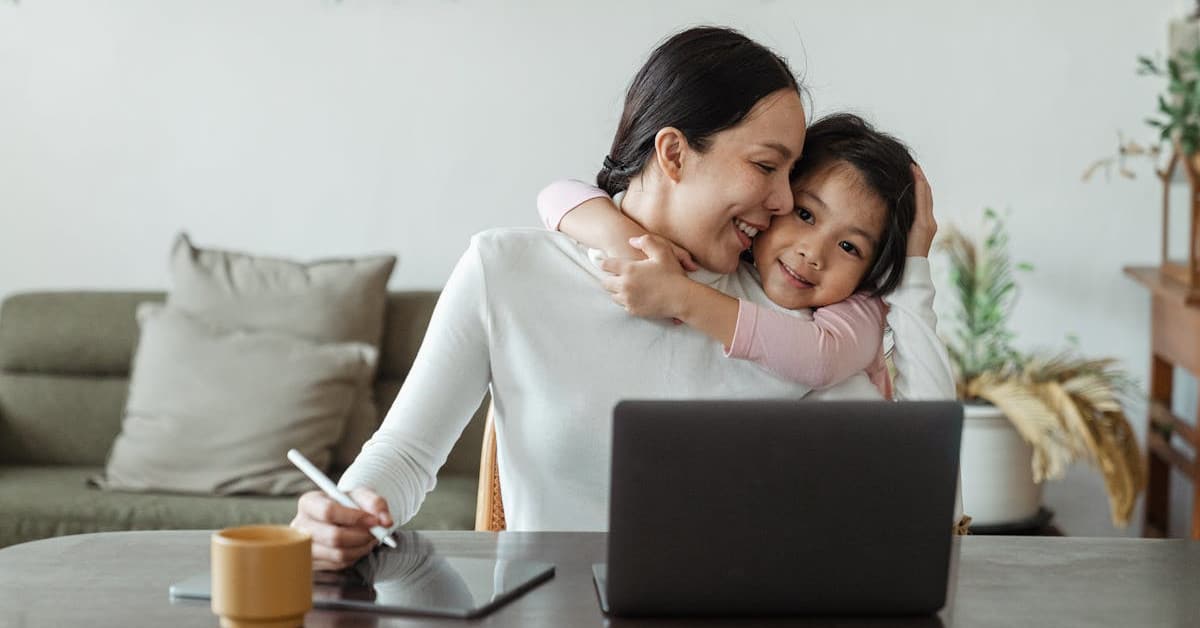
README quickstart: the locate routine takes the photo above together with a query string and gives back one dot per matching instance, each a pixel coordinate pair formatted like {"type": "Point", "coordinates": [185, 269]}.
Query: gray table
{"type": "Point", "coordinates": [121, 579]}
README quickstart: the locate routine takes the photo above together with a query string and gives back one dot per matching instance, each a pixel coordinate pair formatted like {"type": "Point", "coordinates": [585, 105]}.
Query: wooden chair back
{"type": "Point", "coordinates": [489, 508]}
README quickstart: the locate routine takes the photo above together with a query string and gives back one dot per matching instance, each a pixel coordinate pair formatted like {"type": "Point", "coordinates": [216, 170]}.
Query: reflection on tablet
{"type": "Point", "coordinates": [413, 579]}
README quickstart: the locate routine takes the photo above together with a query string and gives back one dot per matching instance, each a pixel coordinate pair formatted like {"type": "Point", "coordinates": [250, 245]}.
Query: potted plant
{"type": "Point", "coordinates": [1179, 127]}
{"type": "Point", "coordinates": [1027, 416]}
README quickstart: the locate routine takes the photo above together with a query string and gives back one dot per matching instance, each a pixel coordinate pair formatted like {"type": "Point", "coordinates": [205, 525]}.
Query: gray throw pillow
{"type": "Point", "coordinates": [334, 300]}
{"type": "Point", "coordinates": [214, 410]}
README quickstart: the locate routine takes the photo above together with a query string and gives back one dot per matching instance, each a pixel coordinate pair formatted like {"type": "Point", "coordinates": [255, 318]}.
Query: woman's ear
{"type": "Point", "coordinates": [670, 146]}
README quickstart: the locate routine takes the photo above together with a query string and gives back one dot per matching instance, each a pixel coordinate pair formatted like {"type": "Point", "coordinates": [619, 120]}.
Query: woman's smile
{"type": "Point", "coordinates": [745, 232]}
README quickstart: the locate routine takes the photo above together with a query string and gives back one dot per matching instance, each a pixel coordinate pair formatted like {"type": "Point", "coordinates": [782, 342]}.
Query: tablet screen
{"type": "Point", "coordinates": [412, 579]}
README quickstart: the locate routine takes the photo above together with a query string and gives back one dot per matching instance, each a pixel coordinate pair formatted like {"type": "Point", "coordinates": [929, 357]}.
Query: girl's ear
{"type": "Point", "coordinates": [670, 145]}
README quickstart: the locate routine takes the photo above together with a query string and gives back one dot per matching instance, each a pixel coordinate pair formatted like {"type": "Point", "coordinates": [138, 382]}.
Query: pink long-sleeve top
{"type": "Point", "coordinates": [838, 340]}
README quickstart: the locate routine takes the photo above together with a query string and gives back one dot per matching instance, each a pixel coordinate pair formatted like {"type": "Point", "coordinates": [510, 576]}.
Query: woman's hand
{"type": "Point", "coordinates": [652, 288]}
{"type": "Point", "coordinates": [920, 237]}
{"type": "Point", "coordinates": [340, 535]}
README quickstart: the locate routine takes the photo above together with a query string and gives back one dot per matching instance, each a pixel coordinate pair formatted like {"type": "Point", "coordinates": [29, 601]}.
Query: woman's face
{"type": "Point", "coordinates": [819, 253]}
{"type": "Point", "coordinates": [726, 194]}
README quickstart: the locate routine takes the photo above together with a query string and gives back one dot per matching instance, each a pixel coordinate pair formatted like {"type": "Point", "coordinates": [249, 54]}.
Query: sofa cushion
{"type": "Point", "coordinates": [65, 359]}
{"type": "Point", "coordinates": [59, 419]}
{"type": "Point", "coordinates": [214, 410]}
{"type": "Point", "coordinates": [334, 300]}
{"type": "Point", "coordinates": [70, 333]}
{"type": "Point", "coordinates": [41, 502]}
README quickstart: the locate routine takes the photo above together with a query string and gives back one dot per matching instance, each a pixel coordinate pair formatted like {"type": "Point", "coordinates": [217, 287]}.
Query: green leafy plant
{"type": "Point", "coordinates": [1179, 106]}
{"type": "Point", "coordinates": [982, 276]}
{"type": "Point", "coordinates": [1065, 406]}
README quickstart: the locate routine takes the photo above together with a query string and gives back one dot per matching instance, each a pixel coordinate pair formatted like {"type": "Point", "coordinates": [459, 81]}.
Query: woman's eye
{"type": "Point", "coordinates": [848, 247]}
{"type": "Point", "coordinates": [767, 168]}
{"type": "Point", "coordinates": [804, 214]}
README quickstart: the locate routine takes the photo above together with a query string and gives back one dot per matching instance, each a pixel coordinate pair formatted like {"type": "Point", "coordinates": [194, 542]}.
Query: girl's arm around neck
{"type": "Point", "coordinates": [842, 339]}
{"type": "Point", "coordinates": [589, 216]}
{"type": "Point", "coordinates": [709, 310]}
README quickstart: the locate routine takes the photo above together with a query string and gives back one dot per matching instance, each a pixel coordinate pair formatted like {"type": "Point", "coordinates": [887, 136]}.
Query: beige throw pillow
{"type": "Point", "coordinates": [214, 410]}
{"type": "Point", "coordinates": [335, 300]}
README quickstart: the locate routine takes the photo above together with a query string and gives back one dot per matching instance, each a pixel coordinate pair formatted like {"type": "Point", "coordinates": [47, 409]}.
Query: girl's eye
{"type": "Point", "coordinates": [767, 168]}
{"type": "Point", "coordinates": [804, 214]}
{"type": "Point", "coordinates": [849, 248]}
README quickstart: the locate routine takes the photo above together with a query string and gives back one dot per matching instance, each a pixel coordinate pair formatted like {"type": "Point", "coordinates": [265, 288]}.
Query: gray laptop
{"type": "Point", "coordinates": [780, 508]}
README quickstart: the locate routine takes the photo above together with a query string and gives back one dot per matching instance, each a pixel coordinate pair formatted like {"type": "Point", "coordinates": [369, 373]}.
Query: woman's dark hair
{"type": "Point", "coordinates": [700, 81]}
{"type": "Point", "coordinates": [885, 167]}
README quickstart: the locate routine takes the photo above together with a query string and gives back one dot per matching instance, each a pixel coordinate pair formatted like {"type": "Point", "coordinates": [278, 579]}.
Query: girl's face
{"type": "Point", "coordinates": [819, 253]}
{"type": "Point", "coordinates": [726, 194]}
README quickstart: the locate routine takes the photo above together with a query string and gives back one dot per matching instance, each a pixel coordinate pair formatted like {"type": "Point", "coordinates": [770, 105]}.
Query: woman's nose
{"type": "Point", "coordinates": [779, 199]}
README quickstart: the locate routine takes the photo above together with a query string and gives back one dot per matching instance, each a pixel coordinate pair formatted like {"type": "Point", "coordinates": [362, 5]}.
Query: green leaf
{"type": "Point", "coordinates": [1146, 65]}
{"type": "Point", "coordinates": [1025, 266]}
{"type": "Point", "coordinates": [1173, 69]}
{"type": "Point", "coordinates": [1164, 107]}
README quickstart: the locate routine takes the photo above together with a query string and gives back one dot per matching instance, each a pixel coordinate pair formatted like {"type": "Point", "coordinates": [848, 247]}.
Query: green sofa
{"type": "Point", "coordinates": [64, 374]}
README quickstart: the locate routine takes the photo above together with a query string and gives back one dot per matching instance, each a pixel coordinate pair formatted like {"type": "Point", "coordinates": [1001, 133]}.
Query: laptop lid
{"type": "Point", "coordinates": [781, 507]}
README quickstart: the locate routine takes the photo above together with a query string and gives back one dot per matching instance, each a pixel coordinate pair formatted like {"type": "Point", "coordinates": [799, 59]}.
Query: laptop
{"type": "Point", "coordinates": [780, 508]}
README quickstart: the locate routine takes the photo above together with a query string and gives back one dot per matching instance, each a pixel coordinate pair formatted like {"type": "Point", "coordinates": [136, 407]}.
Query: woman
{"type": "Point", "coordinates": [712, 126]}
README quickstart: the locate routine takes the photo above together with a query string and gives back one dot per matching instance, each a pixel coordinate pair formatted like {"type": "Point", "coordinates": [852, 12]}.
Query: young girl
{"type": "Point", "coordinates": [843, 247]}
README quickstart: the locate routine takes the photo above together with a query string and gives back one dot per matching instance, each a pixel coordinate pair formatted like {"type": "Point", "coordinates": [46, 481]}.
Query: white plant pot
{"type": "Point", "coordinates": [997, 471]}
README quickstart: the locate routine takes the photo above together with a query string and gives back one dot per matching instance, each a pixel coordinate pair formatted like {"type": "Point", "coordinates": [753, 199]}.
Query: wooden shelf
{"type": "Point", "coordinates": [1164, 285]}
{"type": "Point", "coordinates": [1174, 342]}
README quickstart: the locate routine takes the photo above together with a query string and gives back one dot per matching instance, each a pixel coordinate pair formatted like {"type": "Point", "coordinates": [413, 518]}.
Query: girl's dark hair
{"type": "Point", "coordinates": [885, 166]}
{"type": "Point", "coordinates": [700, 81]}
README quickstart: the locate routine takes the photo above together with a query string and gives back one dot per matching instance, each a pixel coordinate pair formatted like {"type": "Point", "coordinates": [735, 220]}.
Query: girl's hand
{"type": "Point", "coordinates": [681, 254]}
{"type": "Point", "coordinates": [630, 251]}
{"type": "Point", "coordinates": [652, 288]}
{"type": "Point", "coordinates": [924, 227]}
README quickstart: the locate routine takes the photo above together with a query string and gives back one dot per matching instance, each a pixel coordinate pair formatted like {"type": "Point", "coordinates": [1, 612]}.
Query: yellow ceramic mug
{"type": "Point", "coordinates": [261, 576]}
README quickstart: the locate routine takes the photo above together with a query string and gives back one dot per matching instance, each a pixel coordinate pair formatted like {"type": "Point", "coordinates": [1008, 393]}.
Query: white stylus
{"type": "Point", "coordinates": [332, 491]}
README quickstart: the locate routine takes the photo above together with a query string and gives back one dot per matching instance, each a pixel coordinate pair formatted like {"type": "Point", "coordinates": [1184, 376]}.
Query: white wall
{"type": "Point", "coordinates": [313, 127]}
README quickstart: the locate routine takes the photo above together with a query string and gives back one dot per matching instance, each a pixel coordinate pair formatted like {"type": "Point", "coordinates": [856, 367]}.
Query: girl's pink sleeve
{"type": "Point", "coordinates": [559, 198]}
{"type": "Point", "coordinates": [878, 374]}
{"type": "Point", "coordinates": [842, 339]}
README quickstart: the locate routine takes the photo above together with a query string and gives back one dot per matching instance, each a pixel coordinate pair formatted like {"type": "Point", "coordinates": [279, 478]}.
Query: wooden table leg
{"type": "Point", "coordinates": [1158, 476]}
{"type": "Point", "coordinates": [1195, 444]}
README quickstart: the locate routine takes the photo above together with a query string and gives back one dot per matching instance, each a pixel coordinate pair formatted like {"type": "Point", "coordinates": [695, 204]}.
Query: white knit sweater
{"type": "Point", "coordinates": [524, 312]}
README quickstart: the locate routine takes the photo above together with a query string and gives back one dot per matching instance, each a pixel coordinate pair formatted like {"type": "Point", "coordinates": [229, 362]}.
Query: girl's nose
{"type": "Point", "coordinates": [811, 251]}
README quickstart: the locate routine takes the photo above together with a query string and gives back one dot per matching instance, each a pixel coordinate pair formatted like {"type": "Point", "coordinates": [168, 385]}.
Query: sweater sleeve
{"type": "Point", "coordinates": [559, 198]}
{"type": "Point", "coordinates": [842, 339]}
{"type": "Point", "coordinates": [443, 389]}
{"type": "Point", "coordinates": [923, 370]}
